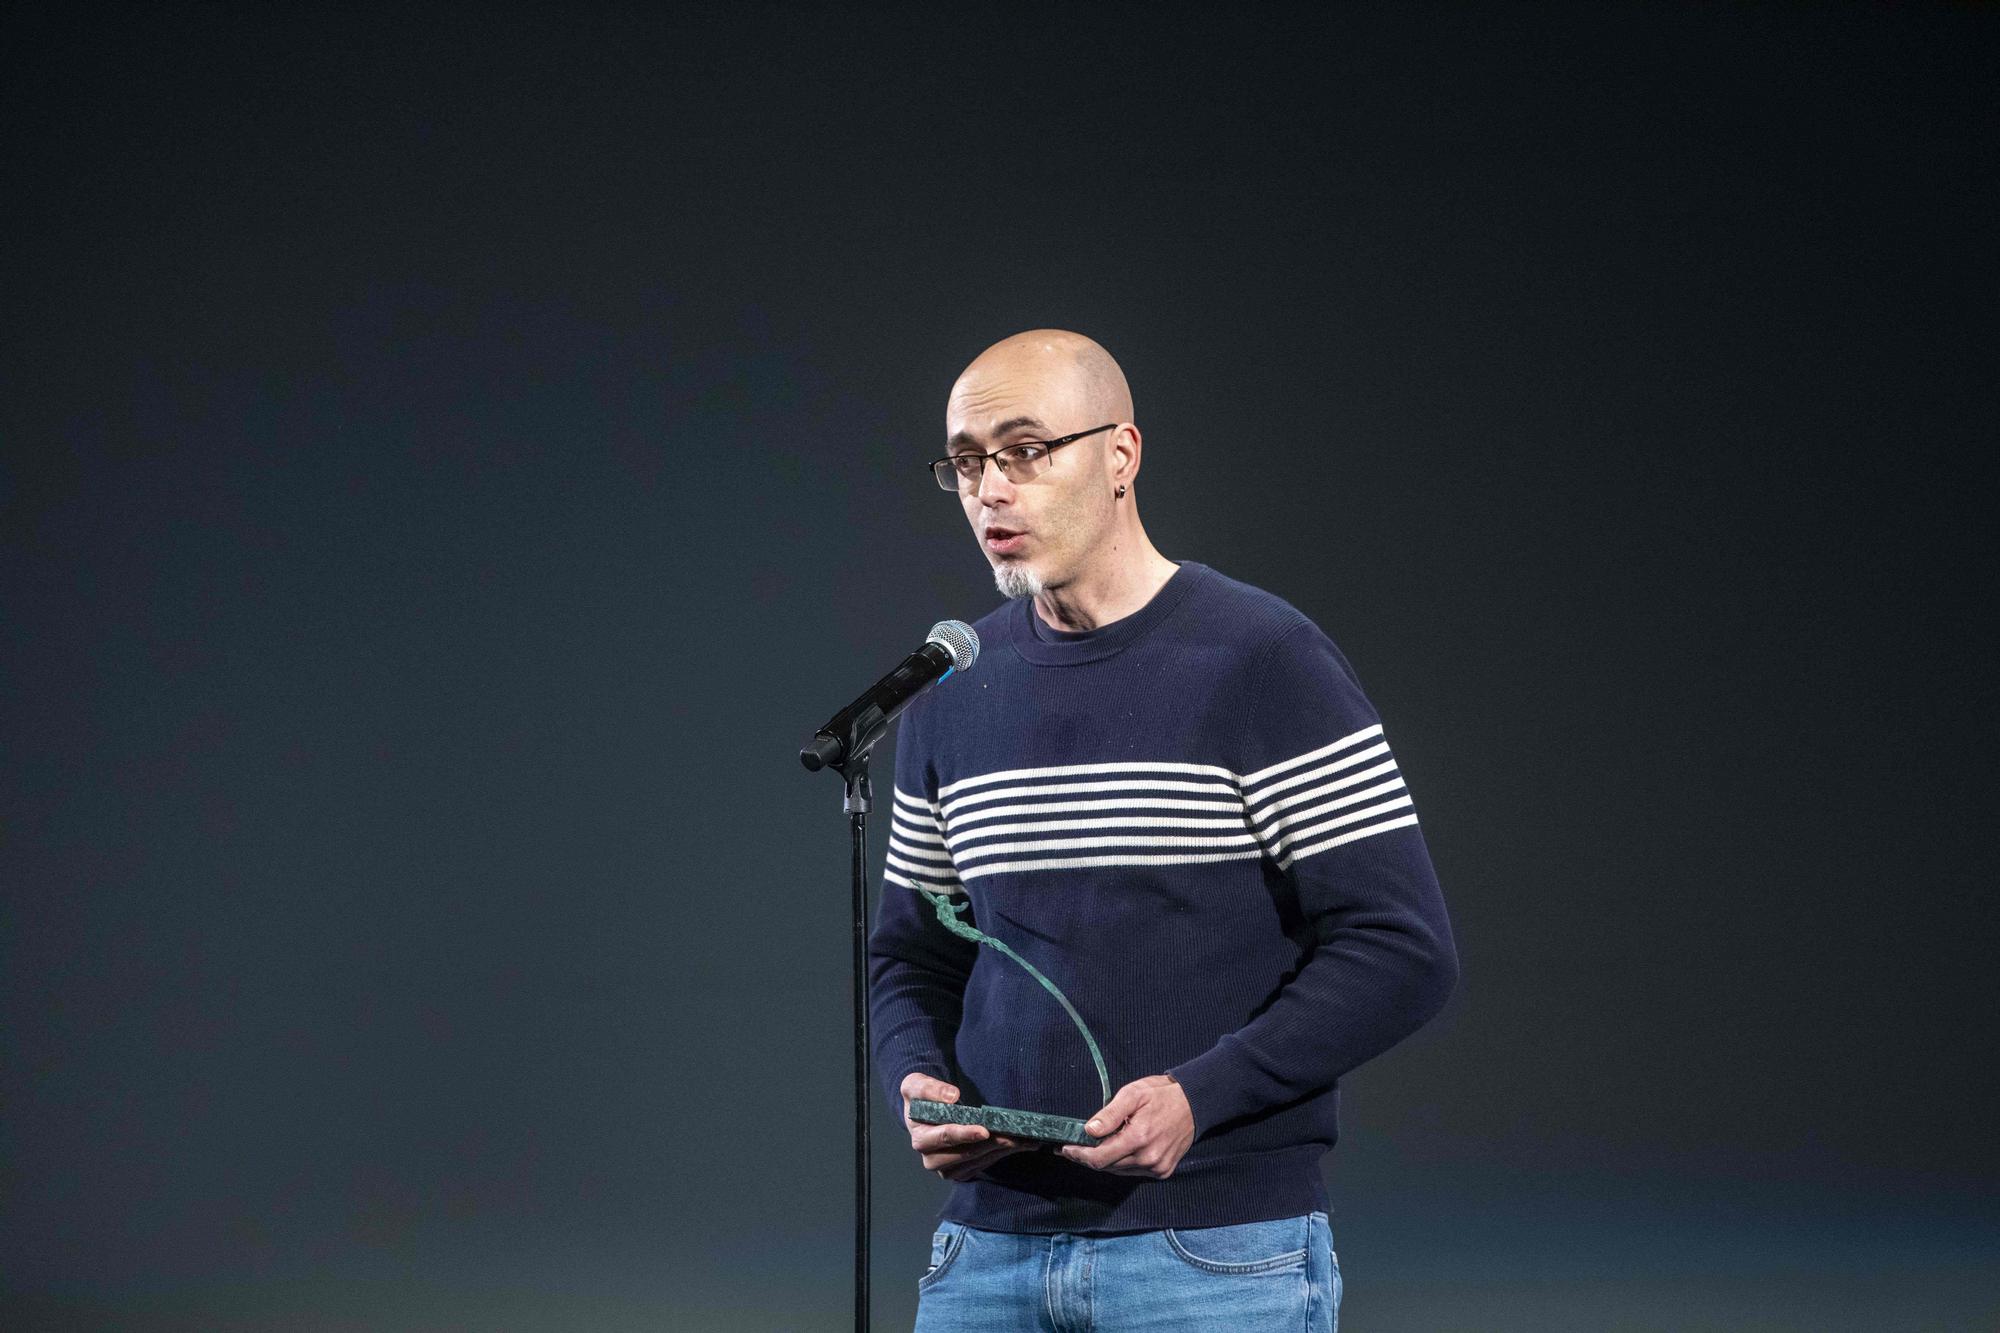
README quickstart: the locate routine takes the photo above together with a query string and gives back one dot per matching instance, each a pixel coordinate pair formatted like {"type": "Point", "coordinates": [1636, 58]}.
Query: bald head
{"type": "Point", "coordinates": [1068, 371]}
{"type": "Point", "coordinates": [1062, 528]}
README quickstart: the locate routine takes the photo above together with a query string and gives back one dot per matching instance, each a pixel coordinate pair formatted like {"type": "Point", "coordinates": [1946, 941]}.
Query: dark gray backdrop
{"type": "Point", "coordinates": [454, 455]}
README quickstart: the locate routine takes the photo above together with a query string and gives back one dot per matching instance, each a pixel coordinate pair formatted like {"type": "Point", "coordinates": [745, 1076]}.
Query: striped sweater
{"type": "Point", "coordinates": [1191, 821]}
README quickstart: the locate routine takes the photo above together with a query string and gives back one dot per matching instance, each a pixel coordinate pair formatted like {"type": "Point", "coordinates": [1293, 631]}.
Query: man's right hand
{"type": "Point", "coordinates": [956, 1152]}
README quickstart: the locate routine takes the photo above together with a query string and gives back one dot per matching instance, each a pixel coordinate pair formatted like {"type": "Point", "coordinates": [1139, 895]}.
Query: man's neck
{"type": "Point", "coordinates": [1113, 590]}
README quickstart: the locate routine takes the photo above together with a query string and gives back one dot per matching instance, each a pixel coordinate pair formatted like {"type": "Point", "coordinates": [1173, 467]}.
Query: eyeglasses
{"type": "Point", "coordinates": [1020, 462]}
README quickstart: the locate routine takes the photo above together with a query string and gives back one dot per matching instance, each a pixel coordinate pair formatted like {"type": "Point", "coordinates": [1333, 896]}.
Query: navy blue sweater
{"type": "Point", "coordinates": [1190, 820]}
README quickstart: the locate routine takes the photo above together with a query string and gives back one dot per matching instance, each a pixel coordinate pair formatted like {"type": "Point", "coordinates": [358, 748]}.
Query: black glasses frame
{"type": "Point", "coordinates": [946, 469]}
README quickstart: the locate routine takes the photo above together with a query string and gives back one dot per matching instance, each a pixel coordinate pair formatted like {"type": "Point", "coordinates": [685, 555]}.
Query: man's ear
{"type": "Point", "coordinates": [1125, 450]}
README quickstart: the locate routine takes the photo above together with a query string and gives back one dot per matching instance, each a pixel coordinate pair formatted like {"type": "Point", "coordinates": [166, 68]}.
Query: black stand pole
{"type": "Point", "coordinates": [856, 805]}
{"type": "Point", "coordinates": [843, 745]}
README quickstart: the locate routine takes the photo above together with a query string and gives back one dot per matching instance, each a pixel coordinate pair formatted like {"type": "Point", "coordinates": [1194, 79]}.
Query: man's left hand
{"type": "Point", "coordinates": [1142, 1131]}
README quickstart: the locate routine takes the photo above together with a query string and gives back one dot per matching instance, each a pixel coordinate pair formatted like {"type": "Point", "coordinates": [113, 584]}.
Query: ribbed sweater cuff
{"type": "Point", "coordinates": [1222, 1083]}
{"type": "Point", "coordinates": [893, 1081]}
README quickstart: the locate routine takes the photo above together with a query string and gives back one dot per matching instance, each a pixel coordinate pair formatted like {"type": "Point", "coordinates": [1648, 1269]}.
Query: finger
{"type": "Point", "coordinates": [931, 1138]}
{"type": "Point", "coordinates": [974, 1162]}
{"type": "Point", "coordinates": [1125, 1164]}
{"type": "Point", "coordinates": [957, 1153]}
{"type": "Point", "coordinates": [1126, 1141]}
{"type": "Point", "coordinates": [923, 1087]}
{"type": "Point", "coordinates": [1115, 1148]}
{"type": "Point", "coordinates": [950, 1157]}
{"type": "Point", "coordinates": [1148, 1153]}
{"type": "Point", "coordinates": [1098, 1159]}
{"type": "Point", "coordinates": [1116, 1111]}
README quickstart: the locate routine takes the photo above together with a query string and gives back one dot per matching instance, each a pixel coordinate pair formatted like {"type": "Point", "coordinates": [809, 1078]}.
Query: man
{"type": "Point", "coordinates": [1165, 790]}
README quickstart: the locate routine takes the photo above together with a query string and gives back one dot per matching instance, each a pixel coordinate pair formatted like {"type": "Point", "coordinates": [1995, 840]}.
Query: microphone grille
{"type": "Point", "coordinates": [959, 639]}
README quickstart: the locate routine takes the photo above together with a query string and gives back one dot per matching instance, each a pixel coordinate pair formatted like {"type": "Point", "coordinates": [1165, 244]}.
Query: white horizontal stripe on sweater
{"type": "Point", "coordinates": [961, 859]}
{"type": "Point", "coordinates": [1291, 800]}
{"type": "Point", "coordinates": [1084, 862]}
{"type": "Point", "coordinates": [930, 849]}
{"type": "Point", "coordinates": [1252, 779]}
{"type": "Point", "coordinates": [1286, 799]}
{"type": "Point", "coordinates": [1084, 770]}
{"type": "Point", "coordinates": [1272, 822]}
{"type": "Point", "coordinates": [1135, 803]}
{"type": "Point", "coordinates": [1345, 761]}
{"type": "Point", "coordinates": [1155, 812]}
{"type": "Point", "coordinates": [1370, 831]}
{"type": "Point", "coordinates": [941, 871]}
{"type": "Point", "coordinates": [914, 836]}
{"type": "Point", "coordinates": [936, 885]}
{"type": "Point", "coordinates": [1218, 790]}
{"type": "Point", "coordinates": [1281, 850]}
{"type": "Point", "coordinates": [920, 855]}
{"type": "Point", "coordinates": [1113, 821]}
{"type": "Point", "coordinates": [1018, 777]}
{"type": "Point", "coordinates": [1222, 784]}
{"type": "Point", "coordinates": [904, 827]}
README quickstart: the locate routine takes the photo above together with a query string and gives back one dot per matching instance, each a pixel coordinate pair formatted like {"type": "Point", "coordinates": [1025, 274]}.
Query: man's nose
{"type": "Point", "coordinates": [994, 488]}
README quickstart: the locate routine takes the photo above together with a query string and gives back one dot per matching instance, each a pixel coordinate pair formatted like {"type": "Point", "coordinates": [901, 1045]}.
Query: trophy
{"type": "Point", "coordinates": [1003, 1119]}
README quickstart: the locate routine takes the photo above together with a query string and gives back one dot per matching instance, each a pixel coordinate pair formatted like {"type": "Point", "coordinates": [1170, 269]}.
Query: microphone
{"type": "Point", "coordinates": [852, 732]}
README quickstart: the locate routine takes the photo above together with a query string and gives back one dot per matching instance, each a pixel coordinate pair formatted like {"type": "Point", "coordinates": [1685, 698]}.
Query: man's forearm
{"type": "Point", "coordinates": [913, 1019]}
{"type": "Point", "coordinates": [916, 993]}
{"type": "Point", "coordinates": [1368, 984]}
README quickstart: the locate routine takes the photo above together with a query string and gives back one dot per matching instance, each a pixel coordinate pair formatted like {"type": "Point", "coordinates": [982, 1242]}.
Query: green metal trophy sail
{"type": "Point", "coordinates": [1001, 1119]}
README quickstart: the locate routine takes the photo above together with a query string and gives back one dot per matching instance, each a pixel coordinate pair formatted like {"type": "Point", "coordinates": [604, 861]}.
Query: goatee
{"type": "Point", "coordinates": [1016, 580]}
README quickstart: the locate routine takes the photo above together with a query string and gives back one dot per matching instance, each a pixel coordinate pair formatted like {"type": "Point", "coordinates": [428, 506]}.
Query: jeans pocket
{"type": "Point", "coordinates": [1248, 1247]}
{"type": "Point", "coordinates": [948, 1240]}
{"type": "Point", "coordinates": [1322, 1221]}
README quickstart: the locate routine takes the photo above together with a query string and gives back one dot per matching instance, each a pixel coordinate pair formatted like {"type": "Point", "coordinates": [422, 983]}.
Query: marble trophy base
{"type": "Point", "coordinates": [1003, 1120]}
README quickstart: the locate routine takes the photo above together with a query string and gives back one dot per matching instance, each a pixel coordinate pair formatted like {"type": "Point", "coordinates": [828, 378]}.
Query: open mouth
{"type": "Point", "coordinates": [1004, 541]}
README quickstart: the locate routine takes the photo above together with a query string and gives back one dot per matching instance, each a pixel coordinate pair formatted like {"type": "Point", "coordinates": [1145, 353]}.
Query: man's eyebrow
{"type": "Point", "coordinates": [964, 440]}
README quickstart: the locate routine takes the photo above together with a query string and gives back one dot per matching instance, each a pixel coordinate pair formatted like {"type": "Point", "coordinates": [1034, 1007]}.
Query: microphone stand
{"type": "Point", "coordinates": [856, 803]}
{"type": "Point", "coordinates": [844, 745]}
{"type": "Point", "coordinates": [846, 751]}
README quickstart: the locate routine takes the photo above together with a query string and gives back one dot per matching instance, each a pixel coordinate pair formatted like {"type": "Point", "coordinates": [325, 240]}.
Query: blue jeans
{"type": "Point", "coordinates": [1249, 1278]}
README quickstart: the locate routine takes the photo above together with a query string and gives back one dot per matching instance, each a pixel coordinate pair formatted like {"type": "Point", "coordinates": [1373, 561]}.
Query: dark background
{"type": "Point", "coordinates": [455, 455]}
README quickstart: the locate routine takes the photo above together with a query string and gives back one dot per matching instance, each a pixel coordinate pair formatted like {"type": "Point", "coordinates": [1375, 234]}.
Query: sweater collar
{"type": "Point", "coordinates": [1043, 646]}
